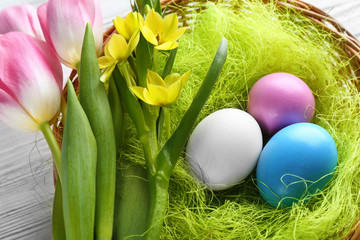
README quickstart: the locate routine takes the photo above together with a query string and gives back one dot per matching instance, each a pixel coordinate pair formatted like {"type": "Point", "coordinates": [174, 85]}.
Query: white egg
{"type": "Point", "coordinates": [224, 148]}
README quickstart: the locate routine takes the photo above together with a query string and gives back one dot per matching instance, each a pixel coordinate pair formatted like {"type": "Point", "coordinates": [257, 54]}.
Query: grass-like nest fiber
{"type": "Point", "coordinates": [263, 40]}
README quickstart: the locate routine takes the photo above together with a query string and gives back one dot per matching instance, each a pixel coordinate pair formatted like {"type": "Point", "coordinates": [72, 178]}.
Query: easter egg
{"type": "Point", "coordinates": [224, 148]}
{"type": "Point", "coordinates": [280, 99]}
{"type": "Point", "coordinates": [298, 161]}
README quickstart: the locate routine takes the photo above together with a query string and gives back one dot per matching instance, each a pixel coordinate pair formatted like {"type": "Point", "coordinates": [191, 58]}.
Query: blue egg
{"type": "Point", "coordinates": [297, 162]}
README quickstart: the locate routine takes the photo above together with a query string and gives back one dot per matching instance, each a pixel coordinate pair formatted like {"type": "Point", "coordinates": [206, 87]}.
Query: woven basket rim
{"type": "Point", "coordinates": [351, 47]}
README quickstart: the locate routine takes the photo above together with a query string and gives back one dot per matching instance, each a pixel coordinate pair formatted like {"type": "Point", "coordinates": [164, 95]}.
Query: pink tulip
{"type": "Point", "coordinates": [63, 23]}
{"type": "Point", "coordinates": [30, 82]}
{"type": "Point", "coordinates": [20, 19]}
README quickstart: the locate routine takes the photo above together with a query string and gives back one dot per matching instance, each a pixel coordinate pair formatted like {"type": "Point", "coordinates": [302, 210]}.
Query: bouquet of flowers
{"type": "Point", "coordinates": [122, 78]}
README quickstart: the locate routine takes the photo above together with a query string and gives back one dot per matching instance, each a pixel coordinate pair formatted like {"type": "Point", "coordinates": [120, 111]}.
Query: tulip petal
{"type": "Point", "coordinates": [170, 79]}
{"type": "Point", "coordinates": [174, 92]}
{"type": "Point", "coordinates": [66, 23]}
{"type": "Point", "coordinates": [97, 26]}
{"type": "Point", "coordinates": [41, 12]}
{"type": "Point", "coordinates": [149, 35]}
{"type": "Point", "coordinates": [141, 20]}
{"type": "Point", "coordinates": [107, 73]}
{"type": "Point", "coordinates": [155, 79]}
{"type": "Point", "coordinates": [106, 50]}
{"type": "Point", "coordinates": [13, 115]}
{"type": "Point", "coordinates": [184, 78]}
{"type": "Point", "coordinates": [170, 24]}
{"type": "Point", "coordinates": [118, 47]}
{"type": "Point", "coordinates": [150, 100]}
{"type": "Point", "coordinates": [132, 24]}
{"type": "Point", "coordinates": [139, 92]}
{"type": "Point", "coordinates": [105, 61]}
{"type": "Point", "coordinates": [157, 94]}
{"type": "Point", "coordinates": [133, 42]}
{"type": "Point", "coordinates": [154, 21]}
{"type": "Point", "coordinates": [31, 74]}
{"type": "Point", "coordinates": [175, 35]}
{"type": "Point", "coordinates": [167, 46]}
{"type": "Point", "coordinates": [121, 27]}
{"type": "Point", "coordinates": [20, 19]}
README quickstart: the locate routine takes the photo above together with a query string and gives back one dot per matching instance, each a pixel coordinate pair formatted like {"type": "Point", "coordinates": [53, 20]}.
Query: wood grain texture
{"type": "Point", "coordinates": [26, 185]}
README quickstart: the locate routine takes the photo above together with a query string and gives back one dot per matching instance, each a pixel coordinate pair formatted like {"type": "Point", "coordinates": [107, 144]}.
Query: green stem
{"type": "Point", "coordinates": [53, 145]}
{"type": "Point", "coordinates": [149, 140]}
{"type": "Point", "coordinates": [158, 205]}
{"type": "Point", "coordinates": [141, 121]}
{"type": "Point", "coordinates": [155, 60]}
{"type": "Point", "coordinates": [167, 121]}
{"type": "Point", "coordinates": [149, 150]}
{"type": "Point", "coordinates": [125, 73]}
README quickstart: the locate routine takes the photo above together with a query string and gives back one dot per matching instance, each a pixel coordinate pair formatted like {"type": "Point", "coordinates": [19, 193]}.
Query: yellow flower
{"type": "Point", "coordinates": [163, 33]}
{"type": "Point", "coordinates": [128, 26]}
{"type": "Point", "coordinates": [117, 50]}
{"type": "Point", "coordinates": [161, 92]}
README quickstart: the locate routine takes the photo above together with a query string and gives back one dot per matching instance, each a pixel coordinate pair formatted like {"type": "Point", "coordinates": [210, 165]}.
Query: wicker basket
{"type": "Point", "coordinates": [351, 47]}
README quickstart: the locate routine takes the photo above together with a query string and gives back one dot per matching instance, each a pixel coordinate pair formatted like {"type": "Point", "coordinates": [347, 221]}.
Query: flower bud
{"type": "Point", "coordinates": [20, 19]}
{"type": "Point", "coordinates": [63, 23]}
{"type": "Point", "coordinates": [30, 82]}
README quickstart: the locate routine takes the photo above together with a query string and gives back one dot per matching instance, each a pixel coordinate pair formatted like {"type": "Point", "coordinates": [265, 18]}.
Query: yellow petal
{"type": "Point", "coordinates": [122, 27]}
{"type": "Point", "coordinates": [107, 73]}
{"type": "Point", "coordinates": [184, 78]}
{"type": "Point", "coordinates": [141, 20]}
{"type": "Point", "coordinates": [118, 47]}
{"type": "Point", "coordinates": [133, 83]}
{"type": "Point", "coordinates": [133, 42]}
{"type": "Point", "coordinates": [154, 79]}
{"type": "Point", "coordinates": [170, 79]}
{"type": "Point", "coordinates": [106, 50]}
{"type": "Point", "coordinates": [175, 35]}
{"type": "Point", "coordinates": [132, 21]}
{"type": "Point", "coordinates": [149, 35]}
{"type": "Point", "coordinates": [105, 61]}
{"type": "Point", "coordinates": [157, 94]}
{"type": "Point", "coordinates": [174, 92]}
{"type": "Point", "coordinates": [139, 92]}
{"type": "Point", "coordinates": [167, 46]}
{"type": "Point", "coordinates": [154, 21]}
{"type": "Point", "coordinates": [170, 24]}
{"type": "Point", "coordinates": [150, 100]}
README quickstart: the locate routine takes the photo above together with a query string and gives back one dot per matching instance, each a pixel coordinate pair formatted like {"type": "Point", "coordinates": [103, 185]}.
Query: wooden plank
{"type": "Point", "coordinates": [26, 190]}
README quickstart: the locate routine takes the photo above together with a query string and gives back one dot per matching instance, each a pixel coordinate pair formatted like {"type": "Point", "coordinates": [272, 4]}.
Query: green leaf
{"type": "Point", "coordinates": [58, 227]}
{"type": "Point", "coordinates": [132, 201]}
{"type": "Point", "coordinates": [131, 103]}
{"type": "Point", "coordinates": [152, 3]}
{"type": "Point", "coordinates": [117, 112]}
{"type": "Point", "coordinates": [144, 54]}
{"type": "Point", "coordinates": [136, 5]}
{"type": "Point", "coordinates": [95, 103]}
{"type": "Point", "coordinates": [170, 152]}
{"type": "Point", "coordinates": [137, 116]}
{"type": "Point", "coordinates": [78, 165]}
{"type": "Point", "coordinates": [160, 125]}
{"type": "Point", "coordinates": [132, 63]}
{"type": "Point", "coordinates": [169, 63]}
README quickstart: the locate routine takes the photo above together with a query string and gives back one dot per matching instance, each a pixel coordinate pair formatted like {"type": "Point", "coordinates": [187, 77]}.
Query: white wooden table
{"type": "Point", "coordinates": [26, 185]}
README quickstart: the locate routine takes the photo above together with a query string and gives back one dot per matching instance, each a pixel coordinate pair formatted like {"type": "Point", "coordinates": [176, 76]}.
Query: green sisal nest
{"type": "Point", "coordinates": [263, 40]}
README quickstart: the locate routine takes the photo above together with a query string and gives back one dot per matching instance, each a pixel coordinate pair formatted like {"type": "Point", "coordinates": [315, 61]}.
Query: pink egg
{"type": "Point", "coordinates": [280, 99]}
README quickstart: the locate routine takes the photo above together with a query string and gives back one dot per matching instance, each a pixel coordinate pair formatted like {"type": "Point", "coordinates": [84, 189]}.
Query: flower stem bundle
{"type": "Point", "coordinates": [147, 97]}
